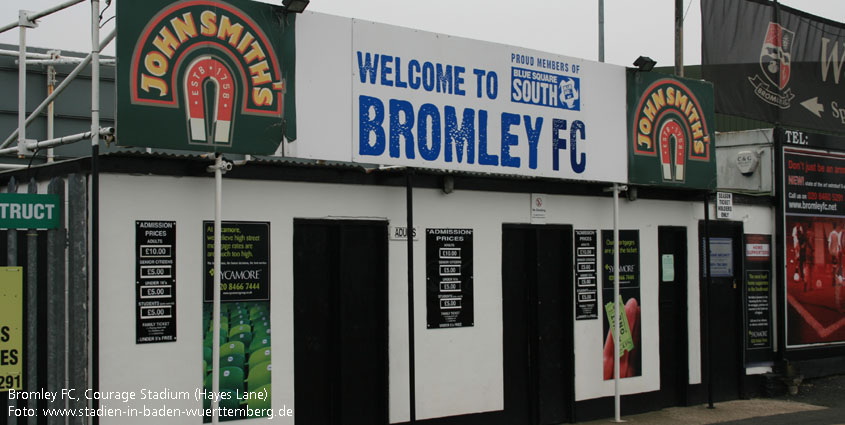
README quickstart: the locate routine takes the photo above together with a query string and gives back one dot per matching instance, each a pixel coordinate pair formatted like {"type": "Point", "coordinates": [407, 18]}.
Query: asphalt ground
{"type": "Point", "coordinates": [819, 401]}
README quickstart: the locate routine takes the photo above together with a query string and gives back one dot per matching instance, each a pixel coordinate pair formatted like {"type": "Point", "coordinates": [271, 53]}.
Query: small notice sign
{"type": "Point", "coordinates": [538, 208]}
{"type": "Point", "coordinates": [586, 276]}
{"type": "Point", "coordinates": [724, 205]}
{"type": "Point", "coordinates": [449, 278]}
{"type": "Point", "coordinates": [155, 281]}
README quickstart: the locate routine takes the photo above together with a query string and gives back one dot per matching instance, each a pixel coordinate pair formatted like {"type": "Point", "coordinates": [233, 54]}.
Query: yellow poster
{"type": "Point", "coordinates": [11, 328]}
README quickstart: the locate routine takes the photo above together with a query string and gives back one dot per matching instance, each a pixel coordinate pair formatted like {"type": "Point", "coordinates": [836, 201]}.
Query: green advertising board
{"type": "Point", "coordinates": [670, 131]}
{"type": "Point", "coordinates": [205, 75]}
{"type": "Point", "coordinates": [29, 211]}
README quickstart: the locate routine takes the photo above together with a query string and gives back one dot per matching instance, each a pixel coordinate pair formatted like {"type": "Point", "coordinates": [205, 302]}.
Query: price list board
{"type": "Point", "coordinates": [586, 280]}
{"type": "Point", "coordinates": [449, 278]}
{"type": "Point", "coordinates": [155, 281]}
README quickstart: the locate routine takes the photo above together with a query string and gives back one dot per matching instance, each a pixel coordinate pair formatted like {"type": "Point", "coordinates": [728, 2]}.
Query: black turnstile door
{"type": "Point", "coordinates": [725, 325]}
{"type": "Point", "coordinates": [538, 316]}
{"type": "Point", "coordinates": [340, 322]}
{"type": "Point", "coordinates": [672, 266]}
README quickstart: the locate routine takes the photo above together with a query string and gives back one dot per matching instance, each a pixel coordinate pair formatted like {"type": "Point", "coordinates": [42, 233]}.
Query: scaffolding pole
{"type": "Point", "coordinates": [43, 13]}
{"type": "Point", "coordinates": [65, 83]}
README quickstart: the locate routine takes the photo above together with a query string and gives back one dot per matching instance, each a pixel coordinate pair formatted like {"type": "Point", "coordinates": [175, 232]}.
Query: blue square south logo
{"type": "Point", "coordinates": [544, 89]}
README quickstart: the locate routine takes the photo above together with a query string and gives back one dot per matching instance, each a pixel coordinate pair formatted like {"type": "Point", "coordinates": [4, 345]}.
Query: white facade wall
{"type": "Point", "coordinates": [458, 371]}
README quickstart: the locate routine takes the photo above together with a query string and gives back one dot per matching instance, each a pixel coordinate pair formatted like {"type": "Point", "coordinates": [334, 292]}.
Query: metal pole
{"type": "Point", "coordinates": [58, 89]}
{"type": "Point", "coordinates": [22, 89]}
{"type": "Point", "coordinates": [601, 30]}
{"type": "Point", "coordinates": [43, 13]}
{"type": "Point", "coordinates": [679, 38]}
{"type": "Point", "coordinates": [29, 55]}
{"type": "Point", "coordinates": [51, 84]}
{"type": "Point", "coordinates": [12, 261]}
{"type": "Point", "coordinates": [707, 282]}
{"type": "Point", "coordinates": [67, 61]}
{"type": "Point", "coordinates": [32, 307]}
{"type": "Point", "coordinates": [66, 140]}
{"type": "Point", "coordinates": [56, 303]}
{"type": "Point", "coordinates": [616, 398]}
{"type": "Point", "coordinates": [95, 72]}
{"type": "Point", "coordinates": [95, 200]}
{"type": "Point", "coordinates": [215, 347]}
{"type": "Point", "coordinates": [409, 202]}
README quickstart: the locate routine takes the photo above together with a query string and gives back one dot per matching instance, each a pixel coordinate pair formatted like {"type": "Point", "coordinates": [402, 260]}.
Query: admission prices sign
{"type": "Point", "coordinates": [205, 75]}
{"type": "Point", "coordinates": [433, 101]}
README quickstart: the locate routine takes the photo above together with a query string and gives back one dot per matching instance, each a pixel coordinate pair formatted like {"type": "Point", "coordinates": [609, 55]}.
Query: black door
{"type": "Point", "coordinates": [340, 322]}
{"type": "Point", "coordinates": [722, 303]}
{"type": "Point", "coordinates": [672, 266]}
{"type": "Point", "coordinates": [537, 312]}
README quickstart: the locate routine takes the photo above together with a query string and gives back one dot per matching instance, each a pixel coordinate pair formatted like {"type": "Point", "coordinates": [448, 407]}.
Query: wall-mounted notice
{"type": "Point", "coordinates": [724, 205]}
{"type": "Point", "coordinates": [155, 281]}
{"type": "Point", "coordinates": [538, 208]}
{"type": "Point", "coordinates": [586, 278]}
{"type": "Point", "coordinates": [449, 290]}
{"type": "Point", "coordinates": [758, 297]}
{"type": "Point", "coordinates": [244, 256]}
{"type": "Point", "coordinates": [721, 257]}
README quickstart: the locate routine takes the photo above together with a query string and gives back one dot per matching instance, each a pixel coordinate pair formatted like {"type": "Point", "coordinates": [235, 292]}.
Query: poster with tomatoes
{"type": "Point", "coordinates": [630, 361]}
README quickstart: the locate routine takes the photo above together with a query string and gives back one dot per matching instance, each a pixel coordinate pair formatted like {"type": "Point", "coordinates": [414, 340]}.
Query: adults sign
{"type": "Point", "coordinates": [431, 101]}
{"type": "Point", "coordinates": [29, 211]}
{"type": "Point", "coordinates": [205, 75]}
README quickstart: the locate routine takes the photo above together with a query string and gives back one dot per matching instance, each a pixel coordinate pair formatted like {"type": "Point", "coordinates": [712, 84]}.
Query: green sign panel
{"type": "Point", "coordinates": [671, 131]}
{"type": "Point", "coordinates": [11, 328]}
{"type": "Point", "coordinates": [206, 75]}
{"type": "Point", "coordinates": [29, 211]}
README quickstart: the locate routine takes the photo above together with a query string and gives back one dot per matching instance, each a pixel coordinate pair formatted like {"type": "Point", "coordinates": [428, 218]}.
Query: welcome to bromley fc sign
{"type": "Point", "coordinates": [205, 75]}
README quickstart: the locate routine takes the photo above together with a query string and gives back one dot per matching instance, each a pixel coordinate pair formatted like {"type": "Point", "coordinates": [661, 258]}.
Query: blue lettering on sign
{"type": "Point", "coordinates": [544, 89]}
{"type": "Point", "coordinates": [430, 133]}
{"type": "Point", "coordinates": [388, 71]}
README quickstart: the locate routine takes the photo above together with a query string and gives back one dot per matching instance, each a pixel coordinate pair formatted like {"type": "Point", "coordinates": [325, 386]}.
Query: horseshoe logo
{"type": "Point", "coordinates": [207, 74]}
{"type": "Point", "coordinates": [672, 135]}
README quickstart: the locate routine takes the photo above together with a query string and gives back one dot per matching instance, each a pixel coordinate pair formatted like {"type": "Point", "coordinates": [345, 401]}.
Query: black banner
{"type": "Point", "coordinates": [449, 289]}
{"type": "Point", "coordinates": [155, 281]}
{"type": "Point", "coordinates": [778, 67]}
{"type": "Point", "coordinates": [245, 261]}
{"type": "Point", "coordinates": [586, 279]}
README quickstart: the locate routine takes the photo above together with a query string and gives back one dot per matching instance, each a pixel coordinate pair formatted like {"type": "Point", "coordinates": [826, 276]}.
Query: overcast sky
{"type": "Point", "coordinates": [567, 27]}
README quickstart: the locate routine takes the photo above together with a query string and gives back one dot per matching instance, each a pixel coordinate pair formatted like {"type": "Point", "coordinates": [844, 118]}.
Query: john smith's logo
{"type": "Point", "coordinates": [776, 66]}
{"type": "Point", "coordinates": [213, 62]}
{"type": "Point", "coordinates": [670, 124]}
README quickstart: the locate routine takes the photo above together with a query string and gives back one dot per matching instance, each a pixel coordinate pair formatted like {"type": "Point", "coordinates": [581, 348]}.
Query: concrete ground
{"type": "Point", "coordinates": [819, 401]}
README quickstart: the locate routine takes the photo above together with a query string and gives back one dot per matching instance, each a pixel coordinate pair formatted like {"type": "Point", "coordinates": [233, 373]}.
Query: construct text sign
{"type": "Point", "coordinates": [29, 211]}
